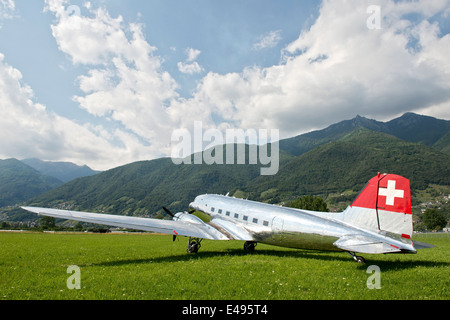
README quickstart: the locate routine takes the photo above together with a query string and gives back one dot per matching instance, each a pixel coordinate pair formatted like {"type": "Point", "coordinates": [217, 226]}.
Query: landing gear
{"type": "Point", "coordinates": [250, 246]}
{"type": "Point", "coordinates": [193, 245]}
{"type": "Point", "coordinates": [357, 259]}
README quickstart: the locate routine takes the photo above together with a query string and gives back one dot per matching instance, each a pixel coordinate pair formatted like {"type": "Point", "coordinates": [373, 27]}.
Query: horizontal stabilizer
{"type": "Point", "coordinates": [422, 245]}
{"type": "Point", "coordinates": [362, 244]}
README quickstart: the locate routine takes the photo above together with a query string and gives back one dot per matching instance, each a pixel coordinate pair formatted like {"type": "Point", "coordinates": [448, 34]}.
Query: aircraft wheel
{"type": "Point", "coordinates": [249, 246]}
{"type": "Point", "coordinates": [360, 260]}
{"type": "Point", "coordinates": [193, 247]}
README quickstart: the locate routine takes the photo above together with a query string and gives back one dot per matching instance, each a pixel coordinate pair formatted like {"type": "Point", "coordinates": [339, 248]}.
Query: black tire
{"type": "Point", "coordinates": [249, 246]}
{"type": "Point", "coordinates": [360, 260]}
{"type": "Point", "coordinates": [193, 247]}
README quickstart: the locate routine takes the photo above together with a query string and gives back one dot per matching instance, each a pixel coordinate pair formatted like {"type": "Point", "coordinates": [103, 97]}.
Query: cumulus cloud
{"type": "Point", "coordinates": [28, 129]}
{"type": "Point", "coordinates": [339, 68]}
{"type": "Point", "coordinates": [125, 81]}
{"type": "Point", "coordinates": [192, 54]}
{"type": "Point", "coordinates": [190, 66]}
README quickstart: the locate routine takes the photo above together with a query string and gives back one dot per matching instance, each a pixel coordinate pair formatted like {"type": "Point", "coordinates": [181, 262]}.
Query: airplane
{"type": "Point", "coordinates": [379, 221]}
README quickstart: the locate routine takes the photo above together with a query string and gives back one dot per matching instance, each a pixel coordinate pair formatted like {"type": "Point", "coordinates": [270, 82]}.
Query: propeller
{"type": "Point", "coordinates": [173, 216]}
{"type": "Point", "coordinates": [191, 211]}
{"type": "Point", "coordinates": [168, 212]}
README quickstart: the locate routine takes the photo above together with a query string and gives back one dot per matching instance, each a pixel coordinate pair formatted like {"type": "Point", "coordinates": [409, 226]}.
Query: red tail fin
{"type": "Point", "coordinates": [387, 198]}
{"type": "Point", "coordinates": [386, 192]}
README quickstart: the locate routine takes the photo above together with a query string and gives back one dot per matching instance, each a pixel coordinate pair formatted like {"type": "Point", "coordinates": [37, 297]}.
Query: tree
{"type": "Point", "coordinates": [4, 225]}
{"type": "Point", "coordinates": [78, 226]}
{"type": "Point", "coordinates": [47, 223]}
{"type": "Point", "coordinates": [434, 219]}
{"type": "Point", "coordinates": [308, 202]}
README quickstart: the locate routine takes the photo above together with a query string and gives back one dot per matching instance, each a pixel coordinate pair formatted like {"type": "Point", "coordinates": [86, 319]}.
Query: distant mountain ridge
{"type": "Point", "coordinates": [64, 171]}
{"type": "Point", "coordinates": [22, 180]}
{"type": "Point", "coordinates": [410, 127]}
{"type": "Point", "coordinates": [341, 157]}
{"type": "Point", "coordinates": [19, 182]}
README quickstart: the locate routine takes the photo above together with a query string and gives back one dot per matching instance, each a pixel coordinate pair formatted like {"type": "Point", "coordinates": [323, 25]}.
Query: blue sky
{"type": "Point", "coordinates": [105, 83]}
{"type": "Point", "coordinates": [224, 31]}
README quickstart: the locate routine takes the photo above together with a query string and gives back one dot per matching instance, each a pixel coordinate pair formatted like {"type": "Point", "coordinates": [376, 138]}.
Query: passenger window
{"type": "Point", "coordinates": [220, 210]}
{"type": "Point", "coordinates": [266, 223]}
{"type": "Point", "coordinates": [228, 213]}
{"type": "Point", "coordinates": [212, 209]}
{"type": "Point", "coordinates": [245, 218]}
{"type": "Point", "coordinates": [236, 216]}
{"type": "Point", "coordinates": [255, 220]}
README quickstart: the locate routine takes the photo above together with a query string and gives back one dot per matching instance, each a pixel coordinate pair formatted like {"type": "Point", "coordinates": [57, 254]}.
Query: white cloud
{"type": "Point", "coordinates": [334, 70]}
{"type": "Point", "coordinates": [339, 68]}
{"type": "Point", "coordinates": [191, 66]}
{"type": "Point", "coordinates": [28, 129]}
{"type": "Point", "coordinates": [7, 9]}
{"type": "Point", "coordinates": [269, 40]}
{"type": "Point", "coordinates": [192, 54]}
{"type": "Point", "coordinates": [126, 82]}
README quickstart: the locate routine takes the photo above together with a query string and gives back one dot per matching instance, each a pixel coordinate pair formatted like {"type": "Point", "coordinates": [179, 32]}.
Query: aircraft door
{"type": "Point", "coordinates": [277, 224]}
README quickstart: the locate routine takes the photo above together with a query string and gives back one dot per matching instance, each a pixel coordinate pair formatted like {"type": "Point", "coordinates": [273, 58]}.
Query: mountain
{"type": "Point", "coordinates": [64, 171]}
{"type": "Point", "coordinates": [417, 128]}
{"type": "Point", "coordinates": [409, 127]}
{"type": "Point", "coordinates": [350, 161]}
{"type": "Point", "coordinates": [341, 157]}
{"type": "Point", "coordinates": [20, 182]}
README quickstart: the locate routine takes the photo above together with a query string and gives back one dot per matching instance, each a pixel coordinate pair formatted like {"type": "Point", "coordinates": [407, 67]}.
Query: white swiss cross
{"type": "Point", "coordinates": [391, 193]}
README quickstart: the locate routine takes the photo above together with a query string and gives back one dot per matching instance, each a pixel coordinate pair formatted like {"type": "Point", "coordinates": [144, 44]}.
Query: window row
{"type": "Point", "coordinates": [236, 216]}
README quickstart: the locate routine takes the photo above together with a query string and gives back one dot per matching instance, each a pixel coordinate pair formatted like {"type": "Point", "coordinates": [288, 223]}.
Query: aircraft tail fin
{"type": "Point", "coordinates": [385, 205]}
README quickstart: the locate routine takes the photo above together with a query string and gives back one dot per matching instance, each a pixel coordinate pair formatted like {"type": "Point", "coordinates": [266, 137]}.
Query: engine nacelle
{"type": "Point", "coordinates": [185, 216]}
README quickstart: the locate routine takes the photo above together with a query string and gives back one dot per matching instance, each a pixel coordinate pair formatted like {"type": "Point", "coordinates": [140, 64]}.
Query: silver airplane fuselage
{"type": "Point", "coordinates": [282, 226]}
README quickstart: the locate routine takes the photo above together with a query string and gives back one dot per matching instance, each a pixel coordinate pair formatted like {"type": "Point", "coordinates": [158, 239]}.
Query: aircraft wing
{"type": "Point", "coordinates": [193, 228]}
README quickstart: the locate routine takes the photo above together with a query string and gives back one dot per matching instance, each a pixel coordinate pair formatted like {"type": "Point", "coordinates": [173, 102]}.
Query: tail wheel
{"type": "Point", "coordinates": [360, 260]}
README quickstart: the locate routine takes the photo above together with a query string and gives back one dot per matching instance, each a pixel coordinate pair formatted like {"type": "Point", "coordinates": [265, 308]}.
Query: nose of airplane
{"type": "Point", "coordinates": [193, 206]}
{"type": "Point", "coordinates": [196, 204]}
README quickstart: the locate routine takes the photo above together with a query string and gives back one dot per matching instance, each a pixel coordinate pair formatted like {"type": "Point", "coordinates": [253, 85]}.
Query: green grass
{"type": "Point", "coordinates": [142, 266]}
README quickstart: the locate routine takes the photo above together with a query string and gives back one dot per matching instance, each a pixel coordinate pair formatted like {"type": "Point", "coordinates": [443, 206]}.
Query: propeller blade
{"type": "Point", "coordinates": [168, 212]}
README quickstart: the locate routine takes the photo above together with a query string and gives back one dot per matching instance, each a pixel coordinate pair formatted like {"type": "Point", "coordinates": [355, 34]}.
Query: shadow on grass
{"type": "Point", "coordinates": [395, 264]}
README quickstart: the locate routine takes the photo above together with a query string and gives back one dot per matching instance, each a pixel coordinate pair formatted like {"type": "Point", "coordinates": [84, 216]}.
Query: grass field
{"type": "Point", "coordinates": [33, 266]}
